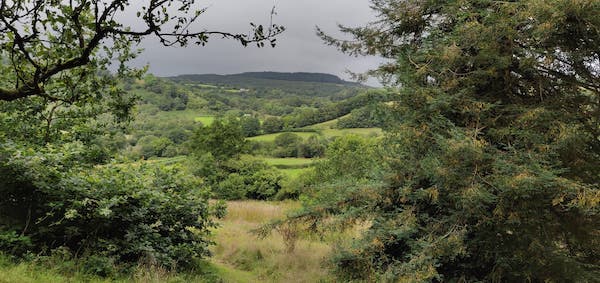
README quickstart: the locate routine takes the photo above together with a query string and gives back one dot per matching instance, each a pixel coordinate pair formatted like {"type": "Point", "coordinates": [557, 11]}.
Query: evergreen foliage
{"type": "Point", "coordinates": [492, 158]}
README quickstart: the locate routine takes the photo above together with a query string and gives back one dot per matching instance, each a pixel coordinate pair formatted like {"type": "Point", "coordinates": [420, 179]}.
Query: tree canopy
{"type": "Point", "coordinates": [57, 86]}
{"type": "Point", "coordinates": [493, 152]}
{"type": "Point", "coordinates": [55, 49]}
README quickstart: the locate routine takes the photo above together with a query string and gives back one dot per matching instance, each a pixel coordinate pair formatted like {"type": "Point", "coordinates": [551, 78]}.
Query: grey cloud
{"type": "Point", "coordinates": [298, 49]}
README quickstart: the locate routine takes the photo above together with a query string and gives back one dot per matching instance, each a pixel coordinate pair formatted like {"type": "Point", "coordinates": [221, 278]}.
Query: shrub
{"type": "Point", "coordinates": [233, 187]}
{"type": "Point", "coordinates": [272, 125]}
{"type": "Point", "coordinates": [263, 185]}
{"type": "Point", "coordinates": [236, 179]}
{"type": "Point", "coordinates": [120, 213]}
{"type": "Point", "coordinates": [150, 146]}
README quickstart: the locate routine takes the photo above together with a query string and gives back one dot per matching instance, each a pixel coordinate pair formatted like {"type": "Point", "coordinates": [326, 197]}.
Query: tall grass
{"type": "Point", "coordinates": [238, 256]}
{"type": "Point", "coordinates": [268, 258]}
{"type": "Point", "coordinates": [36, 272]}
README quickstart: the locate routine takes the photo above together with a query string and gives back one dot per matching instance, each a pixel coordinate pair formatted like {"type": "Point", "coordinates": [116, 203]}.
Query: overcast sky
{"type": "Point", "coordinates": [298, 49]}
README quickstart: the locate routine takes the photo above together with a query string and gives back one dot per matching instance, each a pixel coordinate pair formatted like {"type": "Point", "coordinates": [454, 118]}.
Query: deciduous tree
{"type": "Point", "coordinates": [54, 49]}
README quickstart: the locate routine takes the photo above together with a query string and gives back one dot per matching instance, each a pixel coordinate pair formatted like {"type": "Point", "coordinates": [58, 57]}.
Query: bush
{"type": "Point", "coordinates": [239, 178]}
{"type": "Point", "coordinates": [233, 187]}
{"type": "Point", "coordinates": [250, 126]}
{"type": "Point", "coordinates": [264, 185]}
{"type": "Point", "coordinates": [14, 243]}
{"type": "Point", "coordinates": [150, 146]}
{"type": "Point", "coordinates": [121, 213]}
{"type": "Point", "coordinates": [272, 125]}
{"type": "Point", "coordinates": [288, 144]}
{"type": "Point", "coordinates": [372, 115]}
{"type": "Point", "coordinates": [312, 147]}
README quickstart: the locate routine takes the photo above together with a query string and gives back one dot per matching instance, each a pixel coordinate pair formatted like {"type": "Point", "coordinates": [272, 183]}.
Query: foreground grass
{"type": "Point", "coordinates": [239, 256]}
{"type": "Point", "coordinates": [67, 271]}
{"type": "Point", "coordinates": [208, 272]}
{"type": "Point", "coordinates": [266, 259]}
{"type": "Point", "coordinates": [35, 272]}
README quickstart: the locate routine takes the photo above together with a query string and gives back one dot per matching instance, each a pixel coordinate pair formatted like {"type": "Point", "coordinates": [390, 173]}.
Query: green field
{"type": "Point", "coordinates": [271, 137]}
{"type": "Point", "coordinates": [205, 120]}
{"type": "Point", "coordinates": [294, 172]}
{"type": "Point", "coordinates": [202, 85]}
{"type": "Point", "coordinates": [184, 115]}
{"type": "Point", "coordinates": [328, 133]}
{"type": "Point", "coordinates": [288, 162]}
{"type": "Point", "coordinates": [368, 132]}
{"type": "Point", "coordinates": [326, 125]}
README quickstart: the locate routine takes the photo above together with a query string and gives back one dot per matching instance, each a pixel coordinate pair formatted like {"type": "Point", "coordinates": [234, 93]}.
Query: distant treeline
{"type": "Point", "coordinates": [302, 117]}
{"type": "Point", "coordinates": [297, 77]}
{"type": "Point", "coordinates": [321, 85]}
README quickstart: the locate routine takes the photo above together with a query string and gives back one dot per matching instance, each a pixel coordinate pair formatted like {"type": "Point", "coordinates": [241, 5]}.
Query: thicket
{"type": "Point", "coordinates": [164, 94]}
{"type": "Point", "coordinates": [288, 144]}
{"type": "Point", "coordinates": [370, 116]}
{"type": "Point", "coordinates": [216, 157]}
{"type": "Point", "coordinates": [120, 215]}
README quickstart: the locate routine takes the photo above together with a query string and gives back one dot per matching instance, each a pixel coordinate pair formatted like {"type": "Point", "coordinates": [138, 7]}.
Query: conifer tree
{"type": "Point", "coordinates": [494, 154]}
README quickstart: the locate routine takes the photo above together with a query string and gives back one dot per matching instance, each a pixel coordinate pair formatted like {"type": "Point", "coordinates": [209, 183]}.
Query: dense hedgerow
{"type": "Point", "coordinates": [123, 214]}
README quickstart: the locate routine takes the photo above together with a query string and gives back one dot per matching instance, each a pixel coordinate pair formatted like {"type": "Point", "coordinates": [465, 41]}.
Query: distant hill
{"type": "Point", "coordinates": [301, 77]}
{"type": "Point", "coordinates": [279, 76]}
{"type": "Point", "coordinates": [311, 84]}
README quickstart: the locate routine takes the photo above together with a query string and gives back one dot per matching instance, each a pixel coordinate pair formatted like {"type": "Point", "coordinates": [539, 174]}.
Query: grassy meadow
{"type": "Point", "coordinates": [289, 162]}
{"type": "Point", "coordinates": [295, 172]}
{"type": "Point", "coordinates": [185, 115]}
{"type": "Point", "coordinates": [325, 132]}
{"type": "Point", "coordinates": [238, 255]}
{"type": "Point", "coordinates": [271, 137]}
{"type": "Point", "coordinates": [266, 260]}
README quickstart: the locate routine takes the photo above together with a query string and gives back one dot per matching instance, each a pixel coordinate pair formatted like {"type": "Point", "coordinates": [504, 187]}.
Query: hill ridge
{"type": "Point", "coordinates": [271, 75]}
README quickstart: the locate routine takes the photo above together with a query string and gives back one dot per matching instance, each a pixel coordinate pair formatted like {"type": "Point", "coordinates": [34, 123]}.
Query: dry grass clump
{"type": "Point", "coordinates": [286, 256]}
{"type": "Point", "coordinates": [257, 211]}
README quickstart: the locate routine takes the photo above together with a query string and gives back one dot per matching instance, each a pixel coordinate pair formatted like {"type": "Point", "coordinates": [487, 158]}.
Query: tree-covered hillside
{"type": "Point", "coordinates": [279, 76]}
{"type": "Point", "coordinates": [478, 162]}
{"type": "Point", "coordinates": [169, 109]}
{"type": "Point", "coordinates": [311, 84]}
